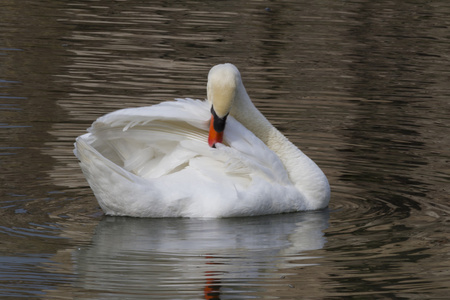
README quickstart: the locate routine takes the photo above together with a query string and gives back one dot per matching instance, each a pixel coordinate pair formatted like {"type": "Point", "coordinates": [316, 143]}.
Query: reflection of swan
{"type": "Point", "coordinates": [176, 258]}
{"type": "Point", "coordinates": [155, 162]}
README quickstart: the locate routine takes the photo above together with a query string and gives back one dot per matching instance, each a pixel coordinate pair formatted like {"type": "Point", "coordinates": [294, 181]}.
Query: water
{"type": "Point", "coordinates": [360, 86]}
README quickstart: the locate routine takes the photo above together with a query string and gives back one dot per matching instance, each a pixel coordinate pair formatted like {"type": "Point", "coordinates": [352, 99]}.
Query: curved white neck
{"type": "Point", "coordinates": [303, 172]}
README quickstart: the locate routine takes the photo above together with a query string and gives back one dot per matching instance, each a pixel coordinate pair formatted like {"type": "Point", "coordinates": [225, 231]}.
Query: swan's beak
{"type": "Point", "coordinates": [216, 128]}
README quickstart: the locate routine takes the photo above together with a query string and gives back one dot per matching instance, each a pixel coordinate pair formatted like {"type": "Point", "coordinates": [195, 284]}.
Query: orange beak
{"type": "Point", "coordinates": [214, 136]}
{"type": "Point", "coordinates": [216, 128]}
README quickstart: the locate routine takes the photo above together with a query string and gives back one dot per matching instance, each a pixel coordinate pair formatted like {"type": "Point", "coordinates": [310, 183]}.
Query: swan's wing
{"type": "Point", "coordinates": [160, 159]}
{"type": "Point", "coordinates": [145, 140]}
{"type": "Point", "coordinates": [248, 154]}
{"type": "Point", "coordinates": [193, 112]}
{"type": "Point", "coordinates": [153, 141]}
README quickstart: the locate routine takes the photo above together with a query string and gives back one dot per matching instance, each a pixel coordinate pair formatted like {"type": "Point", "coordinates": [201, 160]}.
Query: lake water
{"type": "Point", "coordinates": [362, 87]}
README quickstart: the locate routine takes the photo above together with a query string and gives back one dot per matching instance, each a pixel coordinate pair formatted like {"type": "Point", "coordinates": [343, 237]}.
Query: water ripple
{"type": "Point", "coordinates": [195, 255]}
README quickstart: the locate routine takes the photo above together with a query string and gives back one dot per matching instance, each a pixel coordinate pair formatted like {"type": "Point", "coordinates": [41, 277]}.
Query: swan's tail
{"type": "Point", "coordinates": [107, 180]}
{"type": "Point", "coordinates": [91, 159]}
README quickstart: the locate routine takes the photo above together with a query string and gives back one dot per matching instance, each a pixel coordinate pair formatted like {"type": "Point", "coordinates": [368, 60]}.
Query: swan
{"type": "Point", "coordinates": [202, 159]}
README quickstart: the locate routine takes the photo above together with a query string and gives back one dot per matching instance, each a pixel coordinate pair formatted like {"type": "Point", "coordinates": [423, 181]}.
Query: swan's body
{"type": "Point", "coordinates": [155, 161]}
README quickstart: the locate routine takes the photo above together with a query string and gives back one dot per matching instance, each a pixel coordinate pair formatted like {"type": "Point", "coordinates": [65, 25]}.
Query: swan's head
{"type": "Point", "coordinates": [223, 82]}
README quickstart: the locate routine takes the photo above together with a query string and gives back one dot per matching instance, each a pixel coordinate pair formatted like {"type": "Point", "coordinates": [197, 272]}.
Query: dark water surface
{"type": "Point", "coordinates": [362, 87]}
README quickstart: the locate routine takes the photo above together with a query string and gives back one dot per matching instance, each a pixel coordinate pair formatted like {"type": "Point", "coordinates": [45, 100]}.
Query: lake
{"type": "Point", "coordinates": [362, 87]}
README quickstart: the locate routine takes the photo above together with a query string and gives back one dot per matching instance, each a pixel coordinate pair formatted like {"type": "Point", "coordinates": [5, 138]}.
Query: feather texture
{"type": "Point", "coordinates": [155, 162]}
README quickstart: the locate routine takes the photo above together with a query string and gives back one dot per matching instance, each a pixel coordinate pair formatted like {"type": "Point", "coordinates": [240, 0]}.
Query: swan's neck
{"type": "Point", "coordinates": [303, 172]}
{"type": "Point", "coordinates": [245, 112]}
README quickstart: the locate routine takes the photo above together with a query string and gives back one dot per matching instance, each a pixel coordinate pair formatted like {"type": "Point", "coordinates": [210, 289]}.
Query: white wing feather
{"type": "Point", "coordinates": [155, 162]}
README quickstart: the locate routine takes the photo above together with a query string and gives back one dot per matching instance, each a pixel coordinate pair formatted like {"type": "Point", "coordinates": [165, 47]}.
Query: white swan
{"type": "Point", "coordinates": [155, 161]}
